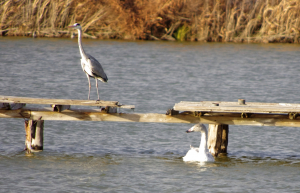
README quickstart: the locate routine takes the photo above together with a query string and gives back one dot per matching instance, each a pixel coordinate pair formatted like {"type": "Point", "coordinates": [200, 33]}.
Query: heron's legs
{"type": "Point", "coordinates": [88, 77]}
{"type": "Point", "coordinates": [97, 89]}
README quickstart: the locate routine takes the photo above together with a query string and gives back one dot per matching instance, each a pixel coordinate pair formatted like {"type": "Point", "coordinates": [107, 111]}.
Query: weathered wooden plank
{"type": "Point", "coordinates": [97, 115]}
{"type": "Point", "coordinates": [27, 100]}
{"type": "Point", "coordinates": [13, 99]}
{"type": "Point", "coordinates": [226, 103]}
{"type": "Point", "coordinates": [236, 108]}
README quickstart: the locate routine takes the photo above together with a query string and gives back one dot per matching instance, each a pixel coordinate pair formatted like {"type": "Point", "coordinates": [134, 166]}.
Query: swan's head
{"type": "Point", "coordinates": [75, 26]}
{"type": "Point", "coordinates": [197, 128]}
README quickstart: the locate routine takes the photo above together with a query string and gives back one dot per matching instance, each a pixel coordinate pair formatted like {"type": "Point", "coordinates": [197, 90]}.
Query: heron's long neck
{"type": "Point", "coordinates": [203, 142]}
{"type": "Point", "coordinates": [82, 53]}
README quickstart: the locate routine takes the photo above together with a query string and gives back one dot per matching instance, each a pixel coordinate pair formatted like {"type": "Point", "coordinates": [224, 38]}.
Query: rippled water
{"type": "Point", "coordinates": [147, 157]}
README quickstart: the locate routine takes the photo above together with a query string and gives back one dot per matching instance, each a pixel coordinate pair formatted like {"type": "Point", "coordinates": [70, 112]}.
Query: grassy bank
{"type": "Point", "coordinates": [182, 20]}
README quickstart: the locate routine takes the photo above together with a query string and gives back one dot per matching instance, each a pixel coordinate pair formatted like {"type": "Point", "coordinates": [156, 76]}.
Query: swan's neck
{"type": "Point", "coordinates": [82, 53]}
{"type": "Point", "coordinates": [203, 142]}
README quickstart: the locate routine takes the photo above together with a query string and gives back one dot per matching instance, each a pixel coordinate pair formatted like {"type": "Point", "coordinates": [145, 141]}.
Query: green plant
{"type": "Point", "coordinates": [181, 33]}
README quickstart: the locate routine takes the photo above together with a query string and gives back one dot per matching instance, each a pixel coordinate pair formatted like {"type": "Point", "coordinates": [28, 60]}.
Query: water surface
{"type": "Point", "coordinates": [147, 157]}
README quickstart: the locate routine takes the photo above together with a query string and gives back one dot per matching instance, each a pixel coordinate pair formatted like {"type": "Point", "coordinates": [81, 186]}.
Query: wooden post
{"type": "Point", "coordinates": [28, 128]}
{"type": "Point", "coordinates": [34, 135]}
{"type": "Point", "coordinates": [217, 139]}
{"type": "Point", "coordinates": [214, 139]}
{"type": "Point", "coordinates": [37, 141]}
{"type": "Point", "coordinates": [241, 101]}
{"type": "Point", "coordinates": [224, 143]}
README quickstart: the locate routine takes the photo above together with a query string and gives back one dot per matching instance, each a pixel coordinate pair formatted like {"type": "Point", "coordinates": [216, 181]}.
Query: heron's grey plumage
{"type": "Point", "coordinates": [89, 64]}
{"type": "Point", "coordinates": [96, 69]}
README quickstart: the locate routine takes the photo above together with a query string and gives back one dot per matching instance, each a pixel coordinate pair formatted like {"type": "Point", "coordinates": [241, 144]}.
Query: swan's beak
{"type": "Point", "coordinates": [190, 130]}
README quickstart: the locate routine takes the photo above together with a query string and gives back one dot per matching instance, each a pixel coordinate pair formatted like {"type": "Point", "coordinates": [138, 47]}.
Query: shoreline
{"type": "Point", "coordinates": [239, 21]}
{"type": "Point", "coordinates": [68, 34]}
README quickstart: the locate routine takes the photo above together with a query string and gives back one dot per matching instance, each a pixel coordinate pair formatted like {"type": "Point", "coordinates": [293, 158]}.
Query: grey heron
{"type": "Point", "coordinates": [89, 64]}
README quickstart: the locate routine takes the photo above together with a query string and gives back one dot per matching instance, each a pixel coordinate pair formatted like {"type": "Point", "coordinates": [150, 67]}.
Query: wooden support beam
{"type": "Point", "coordinates": [12, 106]}
{"type": "Point", "coordinates": [172, 112]}
{"type": "Point", "coordinates": [34, 135]}
{"type": "Point", "coordinates": [4, 106]}
{"type": "Point", "coordinates": [217, 139]}
{"type": "Point", "coordinates": [109, 110]}
{"type": "Point", "coordinates": [186, 117]}
{"type": "Point", "coordinates": [60, 108]}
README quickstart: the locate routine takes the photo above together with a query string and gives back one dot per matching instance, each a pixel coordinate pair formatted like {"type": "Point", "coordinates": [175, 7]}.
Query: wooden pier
{"type": "Point", "coordinates": [217, 114]}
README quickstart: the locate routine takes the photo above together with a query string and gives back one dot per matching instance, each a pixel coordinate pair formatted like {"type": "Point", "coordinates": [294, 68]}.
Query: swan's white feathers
{"type": "Point", "coordinates": [200, 154]}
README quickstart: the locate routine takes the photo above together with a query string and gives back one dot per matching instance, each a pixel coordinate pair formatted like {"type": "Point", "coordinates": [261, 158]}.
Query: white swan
{"type": "Point", "coordinates": [200, 154]}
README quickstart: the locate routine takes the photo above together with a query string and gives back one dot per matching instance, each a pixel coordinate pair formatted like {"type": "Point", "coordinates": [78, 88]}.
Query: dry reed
{"type": "Point", "coordinates": [190, 20]}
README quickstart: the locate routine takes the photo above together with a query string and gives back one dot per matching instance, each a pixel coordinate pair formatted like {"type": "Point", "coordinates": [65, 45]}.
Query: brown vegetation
{"type": "Point", "coordinates": [191, 20]}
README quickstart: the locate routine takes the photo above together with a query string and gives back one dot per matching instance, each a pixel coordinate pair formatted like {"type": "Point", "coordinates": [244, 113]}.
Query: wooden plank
{"type": "Point", "coordinates": [236, 109]}
{"type": "Point", "coordinates": [27, 100]}
{"type": "Point", "coordinates": [97, 115]}
{"type": "Point", "coordinates": [230, 108]}
{"type": "Point", "coordinates": [12, 99]}
{"type": "Point", "coordinates": [226, 103]}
